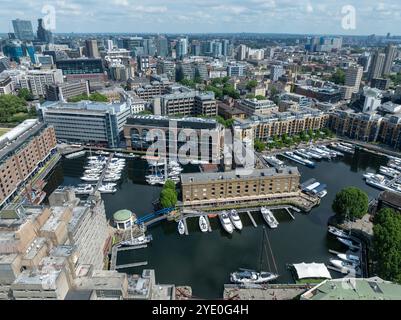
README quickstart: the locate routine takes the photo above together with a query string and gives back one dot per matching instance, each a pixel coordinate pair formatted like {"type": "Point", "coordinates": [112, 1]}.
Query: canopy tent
{"type": "Point", "coordinates": [312, 270]}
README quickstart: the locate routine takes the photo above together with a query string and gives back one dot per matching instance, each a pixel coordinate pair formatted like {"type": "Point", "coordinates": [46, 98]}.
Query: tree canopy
{"type": "Point", "coordinates": [338, 77]}
{"type": "Point", "coordinates": [25, 94]}
{"type": "Point", "coordinates": [168, 195]}
{"type": "Point", "coordinates": [351, 201]}
{"type": "Point", "coordinates": [14, 109]}
{"type": "Point", "coordinates": [226, 123]}
{"type": "Point", "coordinates": [96, 97]}
{"type": "Point", "coordinates": [259, 145]}
{"type": "Point", "coordinates": [387, 244]}
{"type": "Point", "coordinates": [251, 84]}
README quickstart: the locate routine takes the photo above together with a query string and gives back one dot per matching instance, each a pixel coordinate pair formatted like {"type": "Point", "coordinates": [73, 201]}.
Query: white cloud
{"type": "Point", "coordinates": [150, 9]}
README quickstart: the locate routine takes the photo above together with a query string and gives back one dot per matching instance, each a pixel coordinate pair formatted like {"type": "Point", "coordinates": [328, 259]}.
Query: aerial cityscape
{"type": "Point", "coordinates": [177, 150]}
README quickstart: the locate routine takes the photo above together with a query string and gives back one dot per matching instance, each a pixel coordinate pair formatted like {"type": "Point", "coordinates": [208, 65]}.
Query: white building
{"type": "Point", "coordinates": [276, 71]}
{"type": "Point", "coordinates": [36, 80]}
{"type": "Point", "coordinates": [372, 99]}
{"type": "Point", "coordinates": [254, 106]}
{"type": "Point", "coordinates": [6, 85]}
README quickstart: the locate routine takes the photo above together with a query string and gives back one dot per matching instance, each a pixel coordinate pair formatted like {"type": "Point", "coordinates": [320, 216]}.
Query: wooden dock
{"type": "Point", "coordinates": [132, 265]}
{"type": "Point", "coordinates": [252, 219]}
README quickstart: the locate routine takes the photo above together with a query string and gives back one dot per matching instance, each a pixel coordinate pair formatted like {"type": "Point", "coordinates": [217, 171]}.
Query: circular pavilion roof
{"type": "Point", "coordinates": [122, 215]}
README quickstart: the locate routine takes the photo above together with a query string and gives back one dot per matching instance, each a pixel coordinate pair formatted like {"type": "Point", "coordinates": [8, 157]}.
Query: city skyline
{"type": "Point", "coordinates": [210, 16]}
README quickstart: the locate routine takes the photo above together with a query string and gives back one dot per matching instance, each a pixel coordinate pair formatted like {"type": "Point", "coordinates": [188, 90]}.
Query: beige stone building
{"type": "Point", "coordinates": [261, 184]}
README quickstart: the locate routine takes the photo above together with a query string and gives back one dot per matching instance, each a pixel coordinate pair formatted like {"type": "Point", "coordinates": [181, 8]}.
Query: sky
{"type": "Point", "coordinates": [211, 16]}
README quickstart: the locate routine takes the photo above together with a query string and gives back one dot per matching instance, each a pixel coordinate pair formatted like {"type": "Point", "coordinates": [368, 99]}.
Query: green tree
{"type": "Point", "coordinates": [217, 91]}
{"type": "Point", "coordinates": [250, 96]}
{"type": "Point", "coordinates": [96, 97]}
{"type": "Point", "coordinates": [169, 185]}
{"type": "Point", "coordinates": [168, 198]}
{"type": "Point", "coordinates": [338, 77]}
{"type": "Point", "coordinates": [13, 109]}
{"type": "Point", "coordinates": [251, 84]}
{"type": "Point", "coordinates": [25, 94]}
{"type": "Point", "coordinates": [387, 244]}
{"type": "Point", "coordinates": [351, 201]}
{"type": "Point", "coordinates": [259, 145]}
{"type": "Point", "coordinates": [396, 79]}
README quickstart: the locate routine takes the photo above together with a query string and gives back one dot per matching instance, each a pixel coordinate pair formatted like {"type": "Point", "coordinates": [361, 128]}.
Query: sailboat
{"type": "Point", "coordinates": [246, 276]}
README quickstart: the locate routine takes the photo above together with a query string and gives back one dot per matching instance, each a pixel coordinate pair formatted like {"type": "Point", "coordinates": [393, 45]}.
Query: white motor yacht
{"type": "Point", "coordinates": [269, 218]}
{"type": "Point", "coordinates": [203, 224]}
{"type": "Point", "coordinates": [235, 219]}
{"type": "Point", "coordinates": [181, 227]}
{"type": "Point", "coordinates": [226, 222]}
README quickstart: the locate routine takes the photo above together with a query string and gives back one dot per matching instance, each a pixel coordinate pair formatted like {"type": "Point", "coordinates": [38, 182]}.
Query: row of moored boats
{"type": "Point", "coordinates": [388, 178]}
{"type": "Point", "coordinates": [98, 167]}
{"type": "Point", "coordinates": [346, 262]}
{"type": "Point", "coordinates": [160, 172]}
{"type": "Point", "coordinates": [231, 221]}
{"type": "Point", "coordinates": [308, 156]}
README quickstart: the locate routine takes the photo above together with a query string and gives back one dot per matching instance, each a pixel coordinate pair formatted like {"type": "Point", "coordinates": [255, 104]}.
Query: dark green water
{"type": "Point", "coordinates": [204, 261]}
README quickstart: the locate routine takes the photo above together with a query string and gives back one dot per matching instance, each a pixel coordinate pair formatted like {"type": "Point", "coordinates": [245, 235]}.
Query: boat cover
{"type": "Point", "coordinates": [312, 270]}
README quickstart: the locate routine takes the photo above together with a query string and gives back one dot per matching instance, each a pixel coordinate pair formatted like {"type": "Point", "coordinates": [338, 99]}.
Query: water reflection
{"type": "Point", "coordinates": [205, 260]}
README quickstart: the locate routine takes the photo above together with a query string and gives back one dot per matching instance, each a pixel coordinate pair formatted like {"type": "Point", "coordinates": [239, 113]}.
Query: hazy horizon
{"type": "Point", "coordinates": [209, 16]}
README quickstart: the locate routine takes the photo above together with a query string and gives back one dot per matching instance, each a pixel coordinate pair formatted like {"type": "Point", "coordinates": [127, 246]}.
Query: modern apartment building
{"type": "Point", "coordinates": [391, 52]}
{"type": "Point", "coordinates": [36, 80]}
{"type": "Point", "coordinates": [166, 67]}
{"type": "Point", "coordinates": [64, 91]}
{"type": "Point", "coordinates": [149, 91]}
{"type": "Point", "coordinates": [353, 77]}
{"type": "Point", "coordinates": [377, 67]}
{"type": "Point", "coordinates": [138, 126]}
{"type": "Point", "coordinates": [261, 184]}
{"type": "Point", "coordinates": [368, 127]}
{"type": "Point", "coordinates": [265, 127]}
{"type": "Point", "coordinates": [188, 103]}
{"type": "Point", "coordinates": [236, 70]}
{"type": "Point", "coordinates": [6, 85]}
{"type": "Point", "coordinates": [92, 50]}
{"type": "Point", "coordinates": [23, 151]}
{"type": "Point", "coordinates": [254, 106]}
{"type": "Point", "coordinates": [276, 71]}
{"type": "Point", "coordinates": [87, 122]}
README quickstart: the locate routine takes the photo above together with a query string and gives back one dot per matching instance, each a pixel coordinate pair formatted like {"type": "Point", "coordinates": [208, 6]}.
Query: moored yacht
{"type": "Point", "coordinates": [269, 218]}
{"type": "Point", "coordinates": [181, 227]}
{"type": "Point", "coordinates": [203, 224]}
{"type": "Point", "coordinates": [107, 188]}
{"type": "Point", "coordinates": [226, 222]}
{"type": "Point", "coordinates": [252, 277]}
{"type": "Point", "coordinates": [235, 219]}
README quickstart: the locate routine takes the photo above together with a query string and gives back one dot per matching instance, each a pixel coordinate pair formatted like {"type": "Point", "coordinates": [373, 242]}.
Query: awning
{"type": "Point", "coordinates": [312, 270]}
